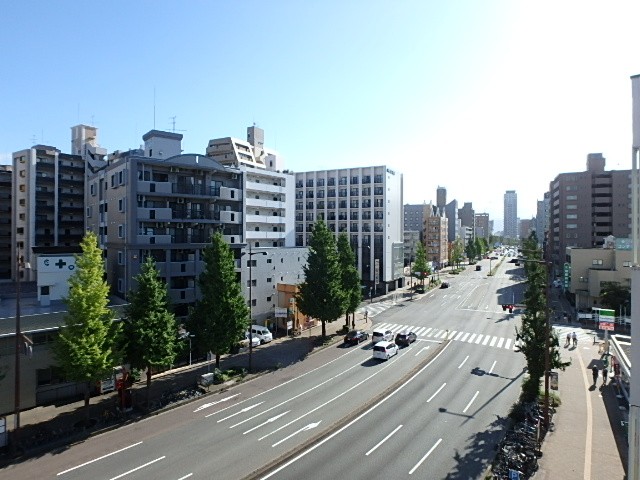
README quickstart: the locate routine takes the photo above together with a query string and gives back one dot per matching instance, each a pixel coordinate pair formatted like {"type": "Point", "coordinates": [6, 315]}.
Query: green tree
{"type": "Point", "coordinates": [455, 253]}
{"type": "Point", "coordinates": [533, 330]}
{"type": "Point", "coordinates": [150, 329]}
{"type": "Point", "coordinates": [421, 269]}
{"type": "Point", "coordinates": [485, 245]}
{"type": "Point", "coordinates": [220, 317]}
{"type": "Point", "coordinates": [86, 349]}
{"type": "Point", "coordinates": [613, 296]}
{"type": "Point", "coordinates": [479, 247]}
{"type": "Point", "coordinates": [321, 296]}
{"type": "Point", "coordinates": [470, 250]}
{"type": "Point", "coordinates": [350, 277]}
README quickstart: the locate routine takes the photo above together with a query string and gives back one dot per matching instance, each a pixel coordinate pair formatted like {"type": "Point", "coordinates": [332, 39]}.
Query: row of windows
{"type": "Point", "coordinates": [331, 181]}
{"type": "Point", "coordinates": [331, 192]}
{"type": "Point", "coordinates": [310, 217]}
{"type": "Point", "coordinates": [342, 227]}
{"type": "Point", "coordinates": [331, 204]}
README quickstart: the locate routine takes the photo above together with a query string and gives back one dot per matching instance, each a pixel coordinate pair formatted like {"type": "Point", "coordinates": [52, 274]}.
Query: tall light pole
{"type": "Point", "coordinates": [411, 275]}
{"type": "Point", "coordinates": [251, 254]}
{"type": "Point", "coordinates": [16, 430]}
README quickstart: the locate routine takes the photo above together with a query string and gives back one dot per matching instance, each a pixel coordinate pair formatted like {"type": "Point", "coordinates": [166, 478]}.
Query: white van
{"type": "Point", "coordinates": [262, 333]}
{"type": "Point", "coordinates": [381, 335]}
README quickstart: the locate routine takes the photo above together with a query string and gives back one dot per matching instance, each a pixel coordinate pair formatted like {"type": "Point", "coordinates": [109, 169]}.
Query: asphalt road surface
{"type": "Point", "coordinates": [434, 411]}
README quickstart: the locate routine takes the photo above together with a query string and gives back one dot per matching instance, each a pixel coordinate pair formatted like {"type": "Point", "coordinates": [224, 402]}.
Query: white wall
{"type": "Point", "coordinates": [54, 271]}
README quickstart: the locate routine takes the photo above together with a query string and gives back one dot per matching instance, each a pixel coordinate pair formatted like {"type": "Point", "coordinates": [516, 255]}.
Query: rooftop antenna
{"type": "Point", "coordinates": [34, 139]}
{"type": "Point", "coordinates": [173, 124]}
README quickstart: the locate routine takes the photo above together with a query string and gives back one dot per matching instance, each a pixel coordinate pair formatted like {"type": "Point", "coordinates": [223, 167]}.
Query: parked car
{"type": "Point", "coordinates": [354, 337]}
{"type": "Point", "coordinates": [420, 289]}
{"type": "Point", "coordinates": [384, 350]}
{"type": "Point", "coordinates": [405, 338]}
{"type": "Point", "coordinates": [381, 335]}
{"type": "Point", "coordinates": [263, 333]}
{"type": "Point", "coordinates": [444, 285]}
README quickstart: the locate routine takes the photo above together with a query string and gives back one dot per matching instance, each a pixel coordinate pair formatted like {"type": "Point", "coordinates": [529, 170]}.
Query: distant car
{"type": "Point", "coordinates": [405, 338]}
{"type": "Point", "coordinates": [354, 337]}
{"type": "Point", "coordinates": [254, 339]}
{"type": "Point", "coordinates": [444, 285]}
{"type": "Point", "coordinates": [384, 350]}
{"type": "Point", "coordinates": [420, 289]}
{"type": "Point", "coordinates": [381, 335]}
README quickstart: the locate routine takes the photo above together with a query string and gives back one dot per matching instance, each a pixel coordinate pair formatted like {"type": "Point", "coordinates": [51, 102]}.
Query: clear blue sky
{"type": "Point", "coordinates": [476, 96]}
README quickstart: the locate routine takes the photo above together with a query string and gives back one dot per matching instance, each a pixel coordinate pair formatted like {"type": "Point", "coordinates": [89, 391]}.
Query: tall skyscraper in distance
{"type": "Point", "coordinates": [510, 214]}
{"type": "Point", "coordinates": [441, 197]}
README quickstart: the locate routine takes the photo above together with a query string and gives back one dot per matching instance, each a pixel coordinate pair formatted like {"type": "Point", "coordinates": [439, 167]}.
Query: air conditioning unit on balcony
{"type": "Point", "coordinates": [181, 200]}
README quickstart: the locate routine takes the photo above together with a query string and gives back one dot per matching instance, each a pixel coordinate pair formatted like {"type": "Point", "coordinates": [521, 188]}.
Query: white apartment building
{"type": "Point", "coordinates": [510, 214]}
{"type": "Point", "coordinates": [366, 204]}
{"type": "Point", "coordinates": [268, 201]}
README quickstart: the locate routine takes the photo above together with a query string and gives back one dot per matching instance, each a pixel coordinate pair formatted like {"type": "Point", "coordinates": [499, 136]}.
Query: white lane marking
{"type": "Point", "coordinates": [492, 366]}
{"type": "Point", "coordinates": [463, 361]}
{"type": "Point", "coordinates": [383, 440]}
{"type": "Point", "coordinates": [458, 336]}
{"type": "Point", "coordinates": [303, 429]}
{"type": "Point", "coordinates": [500, 342]}
{"type": "Point", "coordinates": [470, 402]}
{"type": "Point", "coordinates": [138, 468]}
{"type": "Point", "coordinates": [425, 457]}
{"type": "Point", "coordinates": [389, 363]}
{"type": "Point", "coordinates": [421, 350]}
{"type": "Point", "coordinates": [99, 458]}
{"type": "Point", "coordinates": [426, 332]}
{"type": "Point", "coordinates": [472, 337]}
{"type": "Point", "coordinates": [493, 341]}
{"type": "Point", "coordinates": [437, 392]}
{"type": "Point", "coordinates": [359, 417]}
{"type": "Point", "coordinates": [486, 339]}
{"type": "Point", "coordinates": [211, 404]}
{"type": "Point", "coordinates": [288, 381]}
{"type": "Point", "coordinates": [464, 337]}
{"type": "Point", "coordinates": [295, 396]}
{"type": "Point", "coordinates": [186, 476]}
{"type": "Point", "coordinates": [479, 338]}
{"type": "Point", "coordinates": [244, 410]}
{"type": "Point", "coordinates": [272, 419]}
{"type": "Point", "coordinates": [507, 344]}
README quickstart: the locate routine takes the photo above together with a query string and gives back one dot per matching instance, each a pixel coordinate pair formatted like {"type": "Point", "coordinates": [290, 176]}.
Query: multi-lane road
{"type": "Point", "coordinates": [435, 410]}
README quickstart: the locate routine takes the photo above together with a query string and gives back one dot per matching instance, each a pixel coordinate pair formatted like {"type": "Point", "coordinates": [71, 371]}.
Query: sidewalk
{"type": "Point", "coordinates": [588, 440]}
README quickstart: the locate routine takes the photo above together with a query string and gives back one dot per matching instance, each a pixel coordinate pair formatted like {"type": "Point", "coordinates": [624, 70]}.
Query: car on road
{"type": "Point", "coordinates": [263, 333]}
{"type": "Point", "coordinates": [381, 335]}
{"type": "Point", "coordinates": [405, 338]}
{"type": "Point", "coordinates": [354, 337]}
{"type": "Point", "coordinates": [384, 350]}
{"type": "Point", "coordinates": [419, 289]}
{"type": "Point", "coordinates": [444, 285]}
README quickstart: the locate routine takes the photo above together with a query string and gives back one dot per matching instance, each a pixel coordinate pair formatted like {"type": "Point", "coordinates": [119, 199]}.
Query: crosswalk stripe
{"type": "Point", "coordinates": [396, 328]}
{"type": "Point", "coordinates": [486, 339]}
{"type": "Point", "coordinates": [479, 338]}
{"type": "Point", "coordinates": [457, 337]}
{"type": "Point", "coordinates": [426, 332]}
{"type": "Point", "coordinates": [493, 341]}
{"type": "Point", "coordinates": [418, 331]}
{"type": "Point", "coordinates": [507, 344]}
{"type": "Point", "coordinates": [435, 333]}
{"type": "Point", "coordinates": [500, 342]}
{"type": "Point", "coordinates": [472, 337]}
{"type": "Point", "coordinates": [464, 338]}
{"type": "Point", "coordinates": [451, 334]}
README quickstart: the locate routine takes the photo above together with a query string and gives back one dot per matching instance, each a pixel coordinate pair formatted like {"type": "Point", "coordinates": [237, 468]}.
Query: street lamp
{"type": "Point", "coordinates": [20, 263]}
{"type": "Point", "coordinates": [251, 254]}
{"type": "Point", "coordinates": [411, 276]}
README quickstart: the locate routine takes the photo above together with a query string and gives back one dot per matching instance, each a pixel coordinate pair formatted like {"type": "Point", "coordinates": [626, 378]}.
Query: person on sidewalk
{"type": "Point", "coordinates": [568, 340]}
{"type": "Point", "coordinates": [594, 372]}
{"type": "Point", "coordinates": [605, 373]}
{"type": "Point", "coordinates": [575, 339]}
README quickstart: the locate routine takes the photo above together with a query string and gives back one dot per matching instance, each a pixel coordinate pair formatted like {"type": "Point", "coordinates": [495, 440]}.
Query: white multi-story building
{"type": "Point", "coordinates": [268, 201]}
{"type": "Point", "coordinates": [510, 214]}
{"type": "Point", "coordinates": [366, 204]}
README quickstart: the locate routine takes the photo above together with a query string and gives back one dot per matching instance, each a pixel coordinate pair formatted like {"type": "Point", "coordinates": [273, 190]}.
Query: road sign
{"type": "Point", "coordinates": [280, 312]}
{"type": "Point", "coordinates": [606, 318]}
{"type": "Point", "coordinates": [553, 380]}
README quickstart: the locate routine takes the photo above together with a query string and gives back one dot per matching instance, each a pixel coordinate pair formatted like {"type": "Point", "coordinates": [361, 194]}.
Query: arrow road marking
{"type": "Point", "coordinates": [207, 405]}
{"type": "Point", "coordinates": [307, 427]}
{"type": "Point", "coordinates": [272, 419]}
{"type": "Point", "coordinates": [421, 350]}
{"type": "Point", "coordinates": [245, 409]}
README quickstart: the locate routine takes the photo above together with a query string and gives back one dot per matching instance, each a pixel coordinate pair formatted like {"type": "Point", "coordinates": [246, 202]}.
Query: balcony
{"type": "Point", "coordinates": [257, 202]}
{"type": "Point", "coordinates": [153, 239]}
{"type": "Point", "coordinates": [264, 235]}
{"type": "Point", "coordinates": [182, 295]}
{"type": "Point", "coordinates": [264, 187]}
{"type": "Point", "coordinates": [228, 216]}
{"type": "Point", "coordinates": [268, 219]}
{"type": "Point", "coordinates": [227, 193]}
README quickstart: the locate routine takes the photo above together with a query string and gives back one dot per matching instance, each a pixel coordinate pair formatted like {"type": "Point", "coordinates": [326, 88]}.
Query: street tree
{"type": "Point", "coordinates": [470, 250]}
{"type": "Point", "coordinates": [613, 295]}
{"type": "Point", "coordinates": [219, 319]}
{"type": "Point", "coordinates": [85, 348]}
{"type": "Point", "coordinates": [421, 269]}
{"type": "Point", "coordinates": [350, 278]}
{"type": "Point", "coordinates": [321, 296]}
{"type": "Point", "coordinates": [533, 330]}
{"type": "Point", "coordinates": [455, 253]}
{"type": "Point", "coordinates": [150, 329]}
{"type": "Point", "coordinates": [479, 247]}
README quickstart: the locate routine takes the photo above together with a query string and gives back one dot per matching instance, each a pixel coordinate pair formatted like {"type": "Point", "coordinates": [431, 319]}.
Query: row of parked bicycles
{"type": "Point", "coordinates": [518, 453]}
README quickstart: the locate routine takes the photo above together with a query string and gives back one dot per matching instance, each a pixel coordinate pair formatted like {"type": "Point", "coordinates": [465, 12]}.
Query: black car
{"type": "Point", "coordinates": [444, 285]}
{"type": "Point", "coordinates": [354, 337]}
{"type": "Point", "coordinates": [405, 338]}
{"type": "Point", "coordinates": [420, 289]}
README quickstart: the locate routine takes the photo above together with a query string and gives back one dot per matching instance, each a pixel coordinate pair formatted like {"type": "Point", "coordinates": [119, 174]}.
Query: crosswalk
{"type": "Point", "coordinates": [584, 336]}
{"type": "Point", "coordinates": [454, 335]}
{"type": "Point", "coordinates": [374, 309]}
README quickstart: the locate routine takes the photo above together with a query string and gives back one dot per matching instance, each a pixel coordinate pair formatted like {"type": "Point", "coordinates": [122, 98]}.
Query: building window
{"type": "Point", "coordinates": [121, 177]}
{"type": "Point", "coordinates": [626, 264]}
{"type": "Point", "coordinates": [596, 262]}
{"type": "Point", "coordinates": [120, 286]}
{"type": "Point", "coordinates": [89, 211]}
{"type": "Point", "coordinates": [572, 226]}
{"type": "Point", "coordinates": [120, 231]}
{"type": "Point", "coordinates": [571, 197]}
{"type": "Point", "coordinates": [571, 207]}
{"type": "Point", "coordinates": [572, 216]}
{"type": "Point", "coordinates": [268, 260]}
{"type": "Point", "coordinates": [23, 187]}
{"type": "Point", "coordinates": [121, 205]}
{"type": "Point", "coordinates": [92, 189]}
{"type": "Point", "coordinates": [120, 257]}
{"type": "Point", "coordinates": [113, 180]}
{"type": "Point", "coordinates": [268, 279]}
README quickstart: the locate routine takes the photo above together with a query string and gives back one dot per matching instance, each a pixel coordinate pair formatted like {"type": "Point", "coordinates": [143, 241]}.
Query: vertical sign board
{"type": "Point", "coordinates": [606, 319]}
{"type": "Point", "coordinates": [377, 271]}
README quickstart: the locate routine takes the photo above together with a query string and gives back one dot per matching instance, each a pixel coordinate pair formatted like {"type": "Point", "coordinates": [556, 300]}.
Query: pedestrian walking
{"type": "Point", "coordinates": [568, 340]}
{"type": "Point", "coordinates": [594, 373]}
{"type": "Point", "coordinates": [605, 373]}
{"type": "Point", "coordinates": [575, 339]}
